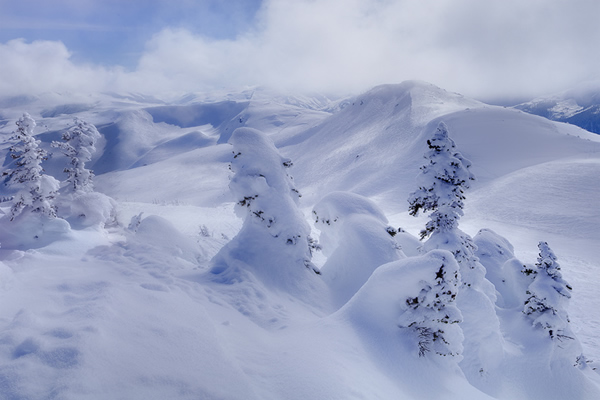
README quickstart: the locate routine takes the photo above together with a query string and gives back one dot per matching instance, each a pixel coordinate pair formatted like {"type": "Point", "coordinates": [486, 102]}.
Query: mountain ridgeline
{"type": "Point", "coordinates": [580, 107]}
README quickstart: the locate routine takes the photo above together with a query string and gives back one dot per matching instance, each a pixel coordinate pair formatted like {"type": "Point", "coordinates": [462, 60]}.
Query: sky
{"type": "Point", "coordinates": [489, 49]}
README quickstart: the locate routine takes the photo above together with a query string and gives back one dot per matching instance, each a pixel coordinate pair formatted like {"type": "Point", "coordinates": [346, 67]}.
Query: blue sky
{"type": "Point", "coordinates": [483, 49]}
{"type": "Point", "coordinates": [109, 32]}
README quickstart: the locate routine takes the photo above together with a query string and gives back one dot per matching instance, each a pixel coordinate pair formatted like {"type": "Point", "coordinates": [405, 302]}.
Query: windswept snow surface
{"type": "Point", "coordinates": [131, 310]}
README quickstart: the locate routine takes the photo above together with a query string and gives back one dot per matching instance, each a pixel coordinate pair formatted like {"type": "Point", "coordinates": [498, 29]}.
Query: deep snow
{"type": "Point", "coordinates": [134, 311]}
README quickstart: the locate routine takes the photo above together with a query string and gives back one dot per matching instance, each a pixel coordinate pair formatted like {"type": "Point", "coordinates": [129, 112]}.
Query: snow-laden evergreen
{"type": "Point", "coordinates": [78, 145]}
{"type": "Point", "coordinates": [431, 314]}
{"type": "Point", "coordinates": [31, 221]}
{"type": "Point", "coordinates": [274, 242]}
{"type": "Point", "coordinates": [36, 190]}
{"type": "Point", "coordinates": [549, 295]}
{"type": "Point", "coordinates": [77, 202]}
{"type": "Point", "coordinates": [406, 315]}
{"type": "Point", "coordinates": [442, 184]}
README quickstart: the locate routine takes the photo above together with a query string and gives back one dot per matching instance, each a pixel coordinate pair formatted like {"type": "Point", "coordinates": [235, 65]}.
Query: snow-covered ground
{"type": "Point", "coordinates": [147, 311]}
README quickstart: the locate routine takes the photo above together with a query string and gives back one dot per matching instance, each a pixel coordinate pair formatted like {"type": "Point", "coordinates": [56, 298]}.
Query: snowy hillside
{"type": "Point", "coordinates": [269, 264]}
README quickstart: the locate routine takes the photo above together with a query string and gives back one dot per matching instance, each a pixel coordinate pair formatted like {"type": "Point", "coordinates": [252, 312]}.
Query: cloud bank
{"type": "Point", "coordinates": [482, 49]}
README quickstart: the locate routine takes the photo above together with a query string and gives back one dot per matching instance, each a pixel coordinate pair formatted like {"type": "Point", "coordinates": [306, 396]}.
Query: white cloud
{"type": "Point", "coordinates": [44, 66]}
{"type": "Point", "coordinates": [489, 48]}
{"type": "Point", "coordinates": [177, 60]}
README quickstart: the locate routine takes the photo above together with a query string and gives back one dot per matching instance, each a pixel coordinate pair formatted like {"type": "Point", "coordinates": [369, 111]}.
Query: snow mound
{"type": "Point", "coordinates": [159, 235]}
{"type": "Point", "coordinates": [356, 239]}
{"type": "Point", "coordinates": [496, 254]}
{"type": "Point", "coordinates": [87, 209]}
{"type": "Point", "coordinates": [31, 230]}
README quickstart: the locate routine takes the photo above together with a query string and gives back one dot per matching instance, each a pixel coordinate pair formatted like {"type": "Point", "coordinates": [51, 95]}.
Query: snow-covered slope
{"type": "Point", "coordinates": [375, 145]}
{"type": "Point", "coordinates": [134, 311]}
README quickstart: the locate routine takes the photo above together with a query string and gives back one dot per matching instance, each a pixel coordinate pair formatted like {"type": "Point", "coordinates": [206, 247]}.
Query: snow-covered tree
{"type": "Point", "coordinates": [442, 184]}
{"type": "Point", "coordinates": [266, 194]}
{"type": "Point", "coordinates": [431, 314]}
{"type": "Point", "coordinates": [443, 180]}
{"type": "Point", "coordinates": [79, 144]}
{"type": "Point", "coordinates": [36, 190]}
{"type": "Point", "coordinates": [274, 241]}
{"type": "Point", "coordinates": [548, 294]}
{"type": "Point", "coordinates": [78, 203]}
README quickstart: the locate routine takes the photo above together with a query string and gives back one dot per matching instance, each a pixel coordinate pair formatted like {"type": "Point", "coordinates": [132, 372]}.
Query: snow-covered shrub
{"type": "Point", "coordinates": [36, 190]}
{"type": "Point", "coordinates": [135, 222]}
{"type": "Point", "coordinates": [549, 295]}
{"type": "Point", "coordinates": [409, 305]}
{"type": "Point", "coordinates": [274, 240]}
{"type": "Point", "coordinates": [356, 239]}
{"type": "Point", "coordinates": [79, 144]}
{"type": "Point", "coordinates": [442, 183]}
{"type": "Point", "coordinates": [204, 231]}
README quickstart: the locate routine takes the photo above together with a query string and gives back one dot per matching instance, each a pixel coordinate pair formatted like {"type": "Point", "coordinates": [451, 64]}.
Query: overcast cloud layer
{"type": "Point", "coordinates": [479, 48]}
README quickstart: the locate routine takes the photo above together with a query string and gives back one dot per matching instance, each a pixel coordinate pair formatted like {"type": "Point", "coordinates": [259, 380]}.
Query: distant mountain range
{"type": "Point", "coordinates": [579, 106]}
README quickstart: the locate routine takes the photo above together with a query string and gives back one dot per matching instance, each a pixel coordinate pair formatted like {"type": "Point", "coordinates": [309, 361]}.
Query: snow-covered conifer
{"type": "Point", "coordinates": [78, 203]}
{"type": "Point", "coordinates": [266, 194]}
{"type": "Point", "coordinates": [431, 314]}
{"type": "Point", "coordinates": [548, 295]}
{"type": "Point", "coordinates": [274, 240]}
{"type": "Point", "coordinates": [79, 144]}
{"type": "Point", "coordinates": [443, 180]}
{"type": "Point", "coordinates": [36, 190]}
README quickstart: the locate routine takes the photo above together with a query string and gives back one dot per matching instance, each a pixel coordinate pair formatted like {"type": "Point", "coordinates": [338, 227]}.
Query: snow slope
{"type": "Point", "coordinates": [120, 312]}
